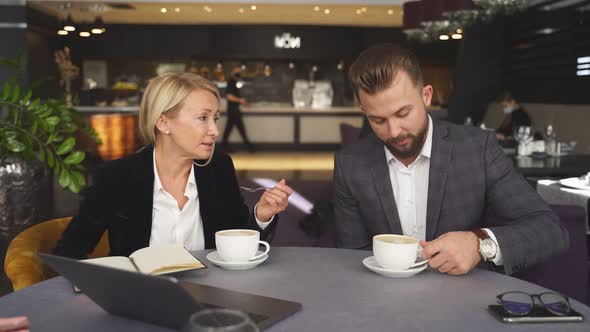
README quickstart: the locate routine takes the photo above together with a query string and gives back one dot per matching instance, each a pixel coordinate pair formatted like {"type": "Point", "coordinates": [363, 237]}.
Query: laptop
{"type": "Point", "coordinates": [163, 300]}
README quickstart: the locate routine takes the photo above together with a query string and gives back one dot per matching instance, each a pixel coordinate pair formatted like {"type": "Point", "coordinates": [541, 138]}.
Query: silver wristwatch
{"type": "Point", "coordinates": [487, 247]}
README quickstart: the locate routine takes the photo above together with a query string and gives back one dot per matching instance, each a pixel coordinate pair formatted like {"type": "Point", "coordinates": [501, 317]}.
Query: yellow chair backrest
{"type": "Point", "coordinates": [22, 265]}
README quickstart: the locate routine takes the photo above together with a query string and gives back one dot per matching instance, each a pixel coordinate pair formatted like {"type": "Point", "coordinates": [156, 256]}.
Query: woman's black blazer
{"type": "Point", "coordinates": [121, 199]}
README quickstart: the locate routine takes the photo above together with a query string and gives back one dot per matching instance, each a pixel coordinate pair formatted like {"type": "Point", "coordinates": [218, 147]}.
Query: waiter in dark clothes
{"type": "Point", "coordinates": [515, 116]}
{"type": "Point", "coordinates": [234, 115]}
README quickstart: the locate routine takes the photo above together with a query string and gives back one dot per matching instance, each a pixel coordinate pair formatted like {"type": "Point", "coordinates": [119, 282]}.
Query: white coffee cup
{"type": "Point", "coordinates": [395, 252]}
{"type": "Point", "coordinates": [239, 245]}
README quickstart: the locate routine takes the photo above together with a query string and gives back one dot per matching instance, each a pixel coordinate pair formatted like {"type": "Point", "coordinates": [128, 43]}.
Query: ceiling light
{"type": "Point", "coordinates": [62, 32]}
{"type": "Point", "coordinates": [358, 11]}
{"type": "Point", "coordinates": [84, 34]}
{"type": "Point", "coordinates": [241, 10]}
{"type": "Point", "coordinates": [584, 59]}
{"type": "Point", "coordinates": [177, 10]}
{"type": "Point", "coordinates": [584, 66]}
{"type": "Point", "coordinates": [253, 7]}
{"type": "Point", "coordinates": [326, 11]}
{"type": "Point", "coordinates": [98, 26]}
{"type": "Point", "coordinates": [390, 12]}
{"type": "Point", "coordinates": [291, 65]}
{"type": "Point", "coordinates": [456, 36]}
{"type": "Point", "coordinates": [69, 26]}
{"type": "Point", "coordinates": [163, 10]}
{"type": "Point", "coordinates": [459, 31]}
{"type": "Point", "coordinates": [208, 9]}
{"type": "Point", "coordinates": [316, 8]}
{"type": "Point", "coordinates": [443, 37]}
{"type": "Point", "coordinates": [364, 9]}
{"type": "Point", "coordinates": [583, 73]}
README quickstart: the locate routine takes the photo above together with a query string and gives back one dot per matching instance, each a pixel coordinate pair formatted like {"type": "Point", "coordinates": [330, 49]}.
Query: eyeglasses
{"type": "Point", "coordinates": [521, 303]}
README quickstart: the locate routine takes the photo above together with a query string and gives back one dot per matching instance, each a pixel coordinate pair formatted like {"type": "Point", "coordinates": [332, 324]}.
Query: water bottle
{"type": "Point", "coordinates": [550, 141]}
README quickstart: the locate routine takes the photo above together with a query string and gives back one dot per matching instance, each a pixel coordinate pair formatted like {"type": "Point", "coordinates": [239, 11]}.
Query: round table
{"type": "Point", "coordinates": [337, 292]}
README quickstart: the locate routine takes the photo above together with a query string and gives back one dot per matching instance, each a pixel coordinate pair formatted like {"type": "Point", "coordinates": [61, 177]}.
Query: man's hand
{"type": "Point", "coordinates": [454, 253]}
{"type": "Point", "coordinates": [14, 324]}
{"type": "Point", "coordinates": [273, 201]}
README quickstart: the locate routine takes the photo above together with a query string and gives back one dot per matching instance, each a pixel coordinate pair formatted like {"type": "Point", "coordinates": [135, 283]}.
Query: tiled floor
{"type": "Point", "coordinates": [308, 173]}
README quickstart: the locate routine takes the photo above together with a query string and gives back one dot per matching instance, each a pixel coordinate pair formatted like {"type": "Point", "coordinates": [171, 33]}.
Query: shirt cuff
{"type": "Point", "coordinates": [261, 224]}
{"type": "Point", "coordinates": [498, 260]}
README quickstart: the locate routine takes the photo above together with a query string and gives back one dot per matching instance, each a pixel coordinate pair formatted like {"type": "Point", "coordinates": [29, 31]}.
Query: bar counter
{"type": "Point", "coordinates": [271, 126]}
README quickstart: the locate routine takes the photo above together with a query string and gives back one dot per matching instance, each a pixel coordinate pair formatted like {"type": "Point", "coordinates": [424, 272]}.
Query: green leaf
{"type": "Point", "coordinates": [51, 137]}
{"type": "Point", "coordinates": [34, 127]}
{"type": "Point", "coordinates": [15, 93]}
{"type": "Point", "coordinates": [50, 158]}
{"type": "Point", "coordinates": [64, 178]}
{"type": "Point", "coordinates": [27, 97]}
{"type": "Point", "coordinates": [78, 178]}
{"type": "Point", "coordinates": [41, 153]}
{"type": "Point", "coordinates": [15, 146]}
{"type": "Point", "coordinates": [6, 92]}
{"type": "Point", "coordinates": [66, 146]}
{"type": "Point", "coordinates": [74, 158]}
{"type": "Point", "coordinates": [52, 121]}
{"type": "Point", "coordinates": [33, 105]}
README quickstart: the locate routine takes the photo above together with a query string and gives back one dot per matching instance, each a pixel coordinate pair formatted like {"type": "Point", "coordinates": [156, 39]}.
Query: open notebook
{"type": "Point", "coordinates": [153, 260]}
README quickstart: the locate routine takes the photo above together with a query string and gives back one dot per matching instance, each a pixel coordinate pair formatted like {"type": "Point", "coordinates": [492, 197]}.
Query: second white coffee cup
{"type": "Point", "coordinates": [395, 252]}
{"type": "Point", "coordinates": [239, 245]}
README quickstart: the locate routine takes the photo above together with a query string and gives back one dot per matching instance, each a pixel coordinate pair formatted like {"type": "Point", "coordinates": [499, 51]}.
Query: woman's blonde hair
{"type": "Point", "coordinates": [165, 95]}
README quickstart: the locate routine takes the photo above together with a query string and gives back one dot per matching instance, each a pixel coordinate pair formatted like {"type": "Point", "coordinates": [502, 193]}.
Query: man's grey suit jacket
{"type": "Point", "coordinates": [472, 184]}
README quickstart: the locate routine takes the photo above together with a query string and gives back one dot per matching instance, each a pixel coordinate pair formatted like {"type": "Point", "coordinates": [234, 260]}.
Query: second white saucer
{"type": "Point", "coordinates": [371, 264]}
{"type": "Point", "coordinates": [214, 258]}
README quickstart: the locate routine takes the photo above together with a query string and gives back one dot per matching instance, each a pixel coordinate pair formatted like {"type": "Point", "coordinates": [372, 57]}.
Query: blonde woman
{"type": "Point", "coordinates": [177, 189]}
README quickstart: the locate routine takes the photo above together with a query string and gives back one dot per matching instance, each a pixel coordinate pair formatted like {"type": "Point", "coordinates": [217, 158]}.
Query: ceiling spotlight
{"type": "Point", "coordinates": [314, 68]}
{"type": "Point", "coordinates": [456, 36]}
{"type": "Point", "coordinates": [62, 32]}
{"type": "Point", "coordinates": [243, 66]}
{"type": "Point", "coordinates": [177, 10]}
{"type": "Point", "coordinates": [459, 30]}
{"type": "Point", "coordinates": [84, 34]}
{"type": "Point", "coordinates": [358, 11]}
{"type": "Point", "coordinates": [326, 11]}
{"type": "Point", "coordinates": [98, 26]}
{"type": "Point", "coordinates": [241, 10]}
{"type": "Point", "coordinates": [340, 65]}
{"type": "Point", "coordinates": [291, 65]}
{"type": "Point", "coordinates": [364, 9]}
{"type": "Point", "coordinates": [69, 25]}
{"type": "Point", "coordinates": [163, 10]}
{"type": "Point", "coordinates": [208, 9]}
{"type": "Point", "coordinates": [443, 37]}
{"type": "Point", "coordinates": [253, 7]}
{"type": "Point", "coordinates": [316, 8]}
{"type": "Point", "coordinates": [390, 12]}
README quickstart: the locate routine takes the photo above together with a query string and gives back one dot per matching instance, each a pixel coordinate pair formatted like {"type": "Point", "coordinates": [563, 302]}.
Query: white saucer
{"type": "Point", "coordinates": [214, 258]}
{"type": "Point", "coordinates": [575, 183]}
{"type": "Point", "coordinates": [371, 264]}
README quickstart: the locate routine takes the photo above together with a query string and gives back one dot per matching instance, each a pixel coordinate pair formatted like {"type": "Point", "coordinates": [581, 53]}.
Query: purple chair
{"type": "Point", "coordinates": [567, 273]}
{"type": "Point", "coordinates": [349, 133]}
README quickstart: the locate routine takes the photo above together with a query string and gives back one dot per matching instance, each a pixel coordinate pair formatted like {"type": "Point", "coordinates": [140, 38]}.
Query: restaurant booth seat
{"type": "Point", "coordinates": [22, 265]}
{"type": "Point", "coordinates": [566, 273]}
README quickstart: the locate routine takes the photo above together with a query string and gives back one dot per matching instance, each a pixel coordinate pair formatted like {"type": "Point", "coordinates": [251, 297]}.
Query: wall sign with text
{"type": "Point", "coordinates": [287, 41]}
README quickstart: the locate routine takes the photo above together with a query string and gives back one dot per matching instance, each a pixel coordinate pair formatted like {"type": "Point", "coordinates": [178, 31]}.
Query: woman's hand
{"type": "Point", "coordinates": [273, 201]}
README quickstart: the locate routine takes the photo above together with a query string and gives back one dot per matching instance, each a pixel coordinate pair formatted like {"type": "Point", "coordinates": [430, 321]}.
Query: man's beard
{"type": "Point", "coordinates": [416, 144]}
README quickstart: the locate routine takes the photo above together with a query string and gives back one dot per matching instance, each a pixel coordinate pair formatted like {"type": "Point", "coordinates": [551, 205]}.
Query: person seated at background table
{"type": "Point", "coordinates": [178, 189]}
{"type": "Point", "coordinates": [452, 187]}
{"type": "Point", "coordinates": [515, 116]}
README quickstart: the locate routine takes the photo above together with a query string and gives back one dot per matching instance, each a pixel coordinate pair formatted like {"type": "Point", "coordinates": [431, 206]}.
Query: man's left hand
{"type": "Point", "coordinates": [273, 201]}
{"type": "Point", "coordinates": [454, 253]}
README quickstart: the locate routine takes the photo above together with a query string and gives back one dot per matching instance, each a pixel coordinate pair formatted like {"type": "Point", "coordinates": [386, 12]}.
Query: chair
{"type": "Point", "coordinates": [349, 133]}
{"type": "Point", "coordinates": [567, 273]}
{"type": "Point", "coordinates": [22, 265]}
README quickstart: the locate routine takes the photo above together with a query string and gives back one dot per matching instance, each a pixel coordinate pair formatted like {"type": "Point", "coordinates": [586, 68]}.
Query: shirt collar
{"type": "Point", "coordinates": [191, 184]}
{"type": "Point", "coordinates": [426, 148]}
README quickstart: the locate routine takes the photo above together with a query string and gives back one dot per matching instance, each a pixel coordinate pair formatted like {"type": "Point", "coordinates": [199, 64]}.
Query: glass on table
{"type": "Point", "coordinates": [220, 320]}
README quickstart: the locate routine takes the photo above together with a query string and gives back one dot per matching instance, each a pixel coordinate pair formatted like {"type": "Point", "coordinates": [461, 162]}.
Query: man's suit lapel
{"type": "Point", "coordinates": [440, 161]}
{"type": "Point", "coordinates": [382, 181]}
{"type": "Point", "coordinates": [143, 191]}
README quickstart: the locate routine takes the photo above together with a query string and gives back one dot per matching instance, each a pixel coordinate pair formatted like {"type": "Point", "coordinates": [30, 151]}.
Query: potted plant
{"type": "Point", "coordinates": [36, 137]}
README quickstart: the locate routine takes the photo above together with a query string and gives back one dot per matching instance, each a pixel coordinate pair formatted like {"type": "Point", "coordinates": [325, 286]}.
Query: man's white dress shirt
{"type": "Point", "coordinates": [410, 190]}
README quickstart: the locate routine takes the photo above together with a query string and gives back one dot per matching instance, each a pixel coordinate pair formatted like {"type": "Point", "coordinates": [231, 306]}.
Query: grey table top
{"type": "Point", "coordinates": [554, 193]}
{"type": "Point", "coordinates": [337, 292]}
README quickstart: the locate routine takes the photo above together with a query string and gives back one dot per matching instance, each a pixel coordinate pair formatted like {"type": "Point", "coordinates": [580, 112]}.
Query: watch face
{"type": "Point", "coordinates": [488, 248]}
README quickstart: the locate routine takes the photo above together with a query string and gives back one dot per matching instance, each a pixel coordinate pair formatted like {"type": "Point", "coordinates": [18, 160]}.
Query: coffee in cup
{"type": "Point", "coordinates": [239, 245]}
{"type": "Point", "coordinates": [395, 252]}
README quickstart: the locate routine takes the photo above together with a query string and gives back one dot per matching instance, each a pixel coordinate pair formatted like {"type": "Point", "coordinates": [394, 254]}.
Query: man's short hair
{"type": "Point", "coordinates": [376, 68]}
